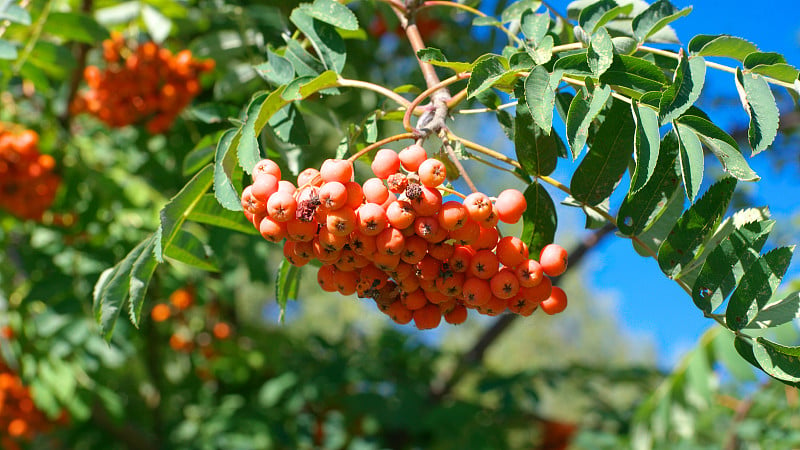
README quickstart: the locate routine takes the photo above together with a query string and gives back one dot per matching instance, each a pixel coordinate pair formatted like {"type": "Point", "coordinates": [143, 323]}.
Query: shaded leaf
{"type": "Point", "coordinates": [582, 111]}
{"type": "Point", "coordinates": [288, 125]}
{"type": "Point", "coordinates": [248, 149]}
{"type": "Point", "coordinates": [722, 145]}
{"type": "Point", "coordinates": [224, 167]}
{"type": "Point", "coordinates": [540, 97]}
{"type": "Point", "coordinates": [141, 273]}
{"type": "Point", "coordinates": [437, 58]}
{"type": "Point", "coordinates": [189, 249]}
{"type": "Point", "coordinates": [778, 312]}
{"type": "Point", "coordinates": [642, 208]}
{"type": "Point", "coordinates": [759, 103]}
{"type": "Point", "coordinates": [721, 45]}
{"type": "Point", "coordinates": [485, 74]}
{"type": "Point", "coordinates": [727, 263]}
{"type": "Point", "coordinates": [756, 287]}
{"type": "Point", "coordinates": [277, 70]}
{"type": "Point", "coordinates": [647, 140]}
{"type": "Point", "coordinates": [534, 26]}
{"type": "Point", "coordinates": [687, 236]}
{"type": "Point", "coordinates": [174, 213]}
{"type": "Point", "coordinates": [780, 361]}
{"type": "Point", "coordinates": [685, 89]}
{"type": "Point", "coordinates": [600, 53]}
{"type": "Point", "coordinates": [691, 158]}
{"type": "Point", "coordinates": [304, 64]}
{"type": "Point", "coordinates": [539, 221]}
{"type": "Point", "coordinates": [286, 284]}
{"type": "Point", "coordinates": [334, 13]}
{"type": "Point", "coordinates": [655, 17]}
{"type": "Point", "coordinates": [603, 166]}
{"type": "Point", "coordinates": [537, 152]}
{"type": "Point", "coordinates": [16, 14]}
{"type": "Point", "coordinates": [327, 43]}
{"type": "Point", "coordinates": [210, 212]}
{"type": "Point", "coordinates": [601, 12]}
{"type": "Point", "coordinates": [75, 27]}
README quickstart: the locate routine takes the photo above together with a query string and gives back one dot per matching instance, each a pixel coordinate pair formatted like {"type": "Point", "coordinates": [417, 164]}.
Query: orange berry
{"type": "Point", "coordinates": [272, 230]}
{"type": "Point", "coordinates": [441, 250]}
{"type": "Point", "coordinates": [456, 316]}
{"type": "Point", "coordinates": [484, 264]}
{"type": "Point", "coordinates": [17, 428]}
{"type": "Point", "coordinates": [476, 291]}
{"type": "Point", "coordinates": [400, 214]}
{"type": "Point", "coordinates": [355, 195]}
{"type": "Point", "coordinates": [298, 230]}
{"type": "Point", "coordinates": [556, 303]}
{"type": "Point", "coordinates": [264, 186]}
{"type": "Point", "coordinates": [426, 226]}
{"type": "Point", "coordinates": [266, 166]}
{"type": "Point", "coordinates": [510, 205]}
{"type": "Point", "coordinates": [386, 262]}
{"type": "Point", "coordinates": [386, 163]}
{"type": "Point", "coordinates": [309, 177]}
{"type": "Point", "coordinates": [160, 312]}
{"type": "Point", "coordinates": [372, 219]}
{"type": "Point", "coordinates": [281, 206]}
{"type": "Point", "coordinates": [511, 251]}
{"type": "Point", "coordinates": [326, 277]}
{"type": "Point", "coordinates": [415, 249]}
{"type": "Point", "coordinates": [414, 300]}
{"type": "Point", "coordinates": [181, 299]}
{"type": "Point", "coordinates": [504, 284]}
{"type": "Point", "coordinates": [553, 259]}
{"type": "Point", "coordinates": [466, 235]}
{"type": "Point", "coordinates": [291, 256]}
{"type": "Point", "coordinates": [342, 221]}
{"type": "Point", "coordinates": [452, 215]}
{"type": "Point", "coordinates": [390, 241]}
{"type": "Point", "coordinates": [529, 273]}
{"type": "Point", "coordinates": [400, 313]}
{"type": "Point", "coordinates": [428, 203]}
{"type": "Point", "coordinates": [375, 191]}
{"type": "Point", "coordinates": [487, 238]}
{"type": "Point", "coordinates": [459, 261]}
{"type": "Point", "coordinates": [412, 156]}
{"type": "Point", "coordinates": [539, 292]}
{"type": "Point", "coordinates": [427, 317]}
{"type": "Point", "coordinates": [432, 172]}
{"type": "Point", "coordinates": [362, 244]}
{"type": "Point", "coordinates": [221, 330]}
{"type": "Point", "coordinates": [494, 307]}
{"type": "Point", "coordinates": [478, 205]}
{"type": "Point", "coordinates": [332, 196]}
{"type": "Point", "coordinates": [346, 282]}
{"type": "Point", "coordinates": [340, 170]}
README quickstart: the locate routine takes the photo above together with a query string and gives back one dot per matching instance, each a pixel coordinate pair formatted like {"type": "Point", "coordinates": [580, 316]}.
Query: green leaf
{"type": "Point", "coordinates": [515, 10]}
{"type": "Point", "coordinates": [575, 64]}
{"type": "Point", "coordinates": [647, 141]}
{"type": "Point", "coordinates": [7, 50]}
{"type": "Point", "coordinates": [304, 64]}
{"type": "Point", "coordinates": [141, 273]}
{"type": "Point", "coordinates": [683, 243]}
{"type": "Point", "coordinates": [537, 151]}
{"type": "Point", "coordinates": [624, 45]}
{"type": "Point", "coordinates": [727, 263]}
{"type": "Point", "coordinates": [756, 287]}
{"type": "Point", "coordinates": [600, 54]}
{"type": "Point", "coordinates": [75, 27]}
{"type": "Point", "coordinates": [210, 212]}
{"type": "Point", "coordinates": [778, 360]}
{"type": "Point", "coordinates": [781, 72]}
{"type": "Point", "coordinates": [691, 158]}
{"type": "Point", "coordinates": [685, 89]}
{"type": "Point", "coordinates": [745, 350]}
{"type": "Point", "coordinates": [16, 14]}
{"type": "Point", "coordinates": [175, 212]}
{"type": "Point", "coordinates": [763, 58]}
{"type": "Point", "coordinates": [158, 25]}
{"type": "Point", "coordinates": [56, 60]}
{"type": "Point", "coordinates": [642, 208]}
{"type": "Point", "coordinates": [601, 12]}
{"type": "Point", "coordinates": [213, 113]}
{"type": "Point", "coordinates": [277, 70]}
{"type": "Point", "coordinates": [634, 74]}
{"type": "Point", "coordinates": [437, 58]}
{"type": "Point", "coordinates": [334, 13]}
{"type": "Point", "coordinates": [540, 96]}
{"type": "Point", "coordinates": [534, 26]}
{"type": "Point", "coordinates": [543, 52]}
{"type": "Point", "coordinates": [248, 150]}
{"type": "Point", "coordinates": [189, 249]}
{"type": "Point", "coordinates": [759, 103]}
{"type": "Point", "coordinates": [301, 88]}
{"type": "Point", "coordinates": [113, 288]}
{"type": "Point", "coordinates": [539, 221]}
{"type": "Point", "coordinates": [286, 284]}
{"type": "Point", "coordinates": [224, 167]}
{"type": "Point", "coordinates": [721, 45]}
{"type": "Point", "coordinates": [582, 111]}
{"type": "Point", "coordinates": [601, 169]}
{"type": "Point", "coordinates": [288, 125]}
{"type": "Point", "coordinates": [201, 154]}
{"type": "Point", "coordinates": [778, 312]}
{"type": "Point", "coordinates": [485, 74]}
{"type": "Point", "coordinates": [655, 17]}
{"type": "Point", "coordinates": [327, 43]}
{"type": "Point", "coordinates": [722, 145]}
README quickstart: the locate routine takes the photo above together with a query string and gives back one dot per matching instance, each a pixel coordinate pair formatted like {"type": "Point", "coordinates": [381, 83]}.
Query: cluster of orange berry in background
{"type": "Point", "coordinates": [147, 85]}
{"type": "Point", "coordinates": [20, 420]}
{"type": "Point", "coordinates": [28, 183]}
{"type": "Point", "coordinates": [395, 240]}
{"type": "Point", "coordinates": [183, 338]}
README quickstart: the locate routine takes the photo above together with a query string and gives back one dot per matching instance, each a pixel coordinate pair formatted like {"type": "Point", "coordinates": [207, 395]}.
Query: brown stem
{"type": "Point", "coordinates": [452, 154]}
{"type": "Point", "coordinates": [367, 149]}
{"type": "Point", "coordinates": [476, 353]}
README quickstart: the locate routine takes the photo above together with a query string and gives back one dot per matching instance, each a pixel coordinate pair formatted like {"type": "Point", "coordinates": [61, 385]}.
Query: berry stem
{"type": "Point", "coordinates": [614, 93]}
{"type": "Point", "coordinates": [485, 110]}
{"type": "Point", "coordinates": [397, 98]}
{"type": "Point", "coordinates": [452, 191]}
{"type": "Point", "coordinates": [481, 149]}
{"type": "Point", "coordinates": [498, 167]}
{"type": "Point", "coordinates": [428, 92]}
{"type": "Point", "coordinates": [382, 142]}
{"type": "Point", "coordinates": [452, 155]}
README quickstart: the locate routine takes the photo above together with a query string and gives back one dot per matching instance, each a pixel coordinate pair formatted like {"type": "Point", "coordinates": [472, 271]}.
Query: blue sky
{"type": "Point", "coordinates": [647, 303]}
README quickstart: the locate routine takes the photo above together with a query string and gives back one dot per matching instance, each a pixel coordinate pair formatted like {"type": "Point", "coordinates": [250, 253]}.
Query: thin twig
{"type": "Point", "coordinates": [382, 142]}
{"type": "Point", "coordinates": [388, 93]}
{"type": "Point", "coordinates": [485, 110]}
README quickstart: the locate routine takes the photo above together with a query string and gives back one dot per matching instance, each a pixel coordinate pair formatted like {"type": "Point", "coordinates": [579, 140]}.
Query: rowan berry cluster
{"type": "Point", "coordinates": [146, 84]}
{"type": "Point", "coordinates": [28, 183]}
{"type": "Point", "coordinates": [20, 420]}
{"type": "Point", "coordinates": [184, 338]}
{"type": "Point", "coordinates": [395, 240]}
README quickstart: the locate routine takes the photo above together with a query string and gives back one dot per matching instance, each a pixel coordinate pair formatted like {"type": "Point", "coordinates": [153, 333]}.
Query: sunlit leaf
{"type": "Point", "coordinates": [582, 111]}
{"type": "Point", "coordinates": [655, 17]}
{"type": "Point", "coordinates": [540, 97]}
{"type": "Point", "coordinates": [601, 12]}
{"type": "Point", "coordinates": [647, 141]}
{"type": "Point", "coordinates": [722, 145]}
{"type": "Point", "coordinates": [756, 287]}
{"type": "Point", "coordinates": [759, 103]}
{"type": "Point", "coordinates": [721, 45]}
{"type": "Point", "coordinates": [600, 53]}
{"type": "Point", "coordinates": [691, 158]}
{"type": "Point", "coordinates": [685, 89]}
